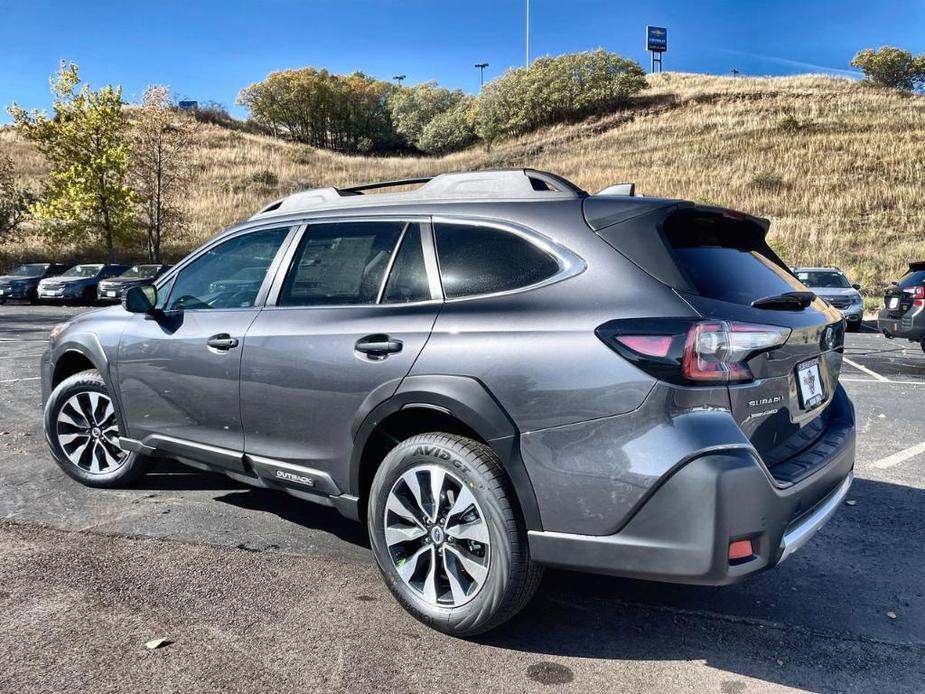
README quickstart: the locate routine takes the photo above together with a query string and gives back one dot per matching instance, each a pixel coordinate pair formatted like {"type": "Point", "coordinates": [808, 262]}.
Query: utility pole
{"type": "Point", "coordinates": [527, 41]}
{"type": "Point", "coordinates": [399, 78]}
{"type": "Point", "coordinates": [481, 67]}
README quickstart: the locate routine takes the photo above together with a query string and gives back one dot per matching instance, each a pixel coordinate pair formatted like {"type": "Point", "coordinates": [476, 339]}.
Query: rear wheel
{"type": "Point", "coordinates": [82, 431]}
{"type": "Point", "coordinates": [446, 537]}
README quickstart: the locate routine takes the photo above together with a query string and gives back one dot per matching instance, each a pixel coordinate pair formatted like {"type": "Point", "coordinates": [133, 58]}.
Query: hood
{"type": "Point", "coordinates": [832, 292]}
{"type": "Point", "coordinates": [8, 279]}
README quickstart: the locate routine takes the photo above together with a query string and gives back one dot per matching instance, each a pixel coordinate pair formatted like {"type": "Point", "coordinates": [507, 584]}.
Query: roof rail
{"type": "Point", "coordinates": [511, 184]}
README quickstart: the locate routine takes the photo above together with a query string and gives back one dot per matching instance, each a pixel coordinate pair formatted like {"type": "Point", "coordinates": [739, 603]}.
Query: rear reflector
{"type": "Point", "coordinates": [740, 549]}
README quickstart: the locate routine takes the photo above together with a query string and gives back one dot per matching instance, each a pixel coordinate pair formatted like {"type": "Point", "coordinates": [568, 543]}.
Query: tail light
{"type": "Point", "coordinates": [685, 351]}
{"type": "Point", "coordinates": [918, 296]}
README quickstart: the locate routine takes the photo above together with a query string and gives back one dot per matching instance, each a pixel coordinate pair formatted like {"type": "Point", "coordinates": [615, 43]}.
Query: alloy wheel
{"type": "Point", "coordinates": [87, 432]}
{"type": "Point", "coordinates": [437, 536]}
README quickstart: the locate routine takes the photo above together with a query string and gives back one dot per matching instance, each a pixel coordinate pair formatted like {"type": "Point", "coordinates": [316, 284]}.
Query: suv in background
{"type": "Point", "coordinates": [495, 371]}
{"type": "Point", "coordinates": [832, 284]}
{"type": "Point", "coordinates": [110, 291]}
{"type": "Point", "coordinates": [23, 281]}
{"type": "Point", "coordinates": [78, 284]}
{"type": "Point", "coordinates": [903, 304]}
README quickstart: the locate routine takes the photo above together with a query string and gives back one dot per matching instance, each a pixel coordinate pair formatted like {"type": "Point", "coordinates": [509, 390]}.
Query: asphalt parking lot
{"type": "Point", "coordinates": [256, 591]}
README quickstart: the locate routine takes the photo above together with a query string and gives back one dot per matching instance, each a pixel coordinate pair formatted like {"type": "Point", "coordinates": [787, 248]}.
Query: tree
{"type": "Point", "coordinates": [451, 130]}
{"type": "Point", "coordinates": [160, 171]}
{"type": "Point", "coordinates": [14, 201]}
{"type": "Point", "coordinates": [891, 67]}
{"type": "Point", "coordinates": [85, 142]}
{"type": "Point", "coordinates": [412, 108]}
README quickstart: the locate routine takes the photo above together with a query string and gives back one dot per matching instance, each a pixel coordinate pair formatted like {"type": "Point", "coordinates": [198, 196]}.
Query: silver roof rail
{"type": "Point", "coordinates": [515, 184]}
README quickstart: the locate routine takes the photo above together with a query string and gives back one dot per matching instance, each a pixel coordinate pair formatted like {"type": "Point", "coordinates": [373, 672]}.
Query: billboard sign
{"type": "Point", "coordinates": [656, 39]}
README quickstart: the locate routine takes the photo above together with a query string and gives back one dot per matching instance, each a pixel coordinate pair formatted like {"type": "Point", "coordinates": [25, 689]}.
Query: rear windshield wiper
{"type": "Point", "coordinates": [787, 301]}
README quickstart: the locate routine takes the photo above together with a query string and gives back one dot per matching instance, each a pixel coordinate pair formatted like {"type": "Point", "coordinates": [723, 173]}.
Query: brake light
{"type": "Point", "coordinates": [685, 351]}
{"type": "Point", "coordinates": [918, 296]}
{"type": "Point", "coordinates": [716, 351]}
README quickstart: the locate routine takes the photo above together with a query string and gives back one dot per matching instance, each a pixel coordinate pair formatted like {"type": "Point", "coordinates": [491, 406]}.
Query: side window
{"type": "Point", "coordinates": [229, 275]}
{"type": "Point", "coordinates": [483, 260]}
{"type": "Point", "coordinates": [340, 263]}
{"type": "Point", "coordinates": [408, 279]}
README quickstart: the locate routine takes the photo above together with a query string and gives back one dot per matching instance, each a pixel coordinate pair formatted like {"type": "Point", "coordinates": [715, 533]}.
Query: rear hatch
{"type": "Point", "coordinates": [900, 297]}
{"type": "Point", "coordinates": [719, 262]}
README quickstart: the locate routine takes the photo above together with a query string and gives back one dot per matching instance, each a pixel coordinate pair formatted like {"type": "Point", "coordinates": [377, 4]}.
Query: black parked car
{"type": "Point", "coordinates": [110, 291]}
{"type": "Point", "coordinates": [903, 314]}
{"type": "Point", "coordinates": [77, 285]}
{"type": "Point", "coordinates": [23, 282]}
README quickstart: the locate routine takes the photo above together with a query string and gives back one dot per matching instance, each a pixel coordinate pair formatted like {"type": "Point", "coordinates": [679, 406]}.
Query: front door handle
{"type": "Point", "coordinates": [378, 346]}
{"type": "Point", "coordinates": [222, 341]}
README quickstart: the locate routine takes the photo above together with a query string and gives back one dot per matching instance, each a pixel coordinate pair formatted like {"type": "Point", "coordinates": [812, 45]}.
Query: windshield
{"type": "Point", "coordinates": [140, 271]}
{"type": "Point", "coordinates": [29, 271]}
{"type": "Point", "coordinates": [827, 279]}
{"type": "Point", "coordinates": [83, 271]}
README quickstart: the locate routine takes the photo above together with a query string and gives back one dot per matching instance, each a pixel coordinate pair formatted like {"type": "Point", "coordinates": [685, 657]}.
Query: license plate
{"type": "Point", "coordinates": [1, 292]}
{"type": "Point", "coordinates": [110, 293]}
{"type": "Point", "coordinates": [893, 302]}
{"type": "Point", "coordinates": [811, 391]}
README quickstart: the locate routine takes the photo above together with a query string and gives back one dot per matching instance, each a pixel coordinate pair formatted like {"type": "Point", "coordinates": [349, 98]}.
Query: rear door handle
{"type": "Point", "coordinates": [378, 346]}
{"type": "Point", "coordinates": [222, 341]}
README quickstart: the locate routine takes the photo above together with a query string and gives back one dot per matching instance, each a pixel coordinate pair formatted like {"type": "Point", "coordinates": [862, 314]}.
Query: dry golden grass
{"type": "Point", "coordinates": [837, 166]}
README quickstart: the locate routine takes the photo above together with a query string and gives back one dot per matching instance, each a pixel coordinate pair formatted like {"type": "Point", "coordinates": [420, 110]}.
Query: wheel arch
{"type": "Point", "coordinates": [79, 353]}
{"type": "Point", "coordinates": [451, 404]}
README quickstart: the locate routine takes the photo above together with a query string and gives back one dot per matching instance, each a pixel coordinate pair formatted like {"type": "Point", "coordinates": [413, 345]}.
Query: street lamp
{"type": "Point", "coordinates": [527, 40]}
{"type": "Point", "coordinates": [481, 67]}
{"type": "Point", "coordinates": [399, 78]}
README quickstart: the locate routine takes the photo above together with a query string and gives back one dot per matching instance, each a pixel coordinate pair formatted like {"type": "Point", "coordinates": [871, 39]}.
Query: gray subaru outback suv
{"type": "Point", "coordinates": [496, 371]}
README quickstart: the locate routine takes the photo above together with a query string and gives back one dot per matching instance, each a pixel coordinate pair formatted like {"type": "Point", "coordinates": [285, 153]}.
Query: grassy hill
{"type": "Point", "coordinates": [837, 166]}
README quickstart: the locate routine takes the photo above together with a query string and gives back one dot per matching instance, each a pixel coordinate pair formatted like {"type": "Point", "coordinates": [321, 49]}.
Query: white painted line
{"type": "Point", "coordinates": [869, 372]}
{"type": "Point", "coordinates": [900, 457]}
{"type": "Point", "coordinates": [842, 379]}
{"type": "Point", "coordinates": [17, 380]}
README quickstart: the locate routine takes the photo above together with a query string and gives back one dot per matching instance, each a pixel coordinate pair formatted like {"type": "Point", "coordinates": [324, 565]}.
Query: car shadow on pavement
{"type": "Point", "coordinates": [829, 602]}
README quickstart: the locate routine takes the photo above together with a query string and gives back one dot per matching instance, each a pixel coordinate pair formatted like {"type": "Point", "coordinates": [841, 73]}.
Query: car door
{"type": "Point", "coordinates": [342, 327]}
{"type": "Point", "coordinates": [178, 371]}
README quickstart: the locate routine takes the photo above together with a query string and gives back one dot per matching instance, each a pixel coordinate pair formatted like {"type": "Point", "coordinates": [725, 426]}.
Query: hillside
{"type": "Point", "coordinates": [837, 166]}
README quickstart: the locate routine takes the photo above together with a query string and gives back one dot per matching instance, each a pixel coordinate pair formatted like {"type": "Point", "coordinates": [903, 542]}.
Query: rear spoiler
{"type": "Point", "coordinates": [619, 189]}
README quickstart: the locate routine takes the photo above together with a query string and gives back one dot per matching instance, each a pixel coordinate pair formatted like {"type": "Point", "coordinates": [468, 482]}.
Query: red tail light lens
{"type": "Point", "coordinates": [716, 351]}
{"type": "Point", "coordinates": [918, 296]}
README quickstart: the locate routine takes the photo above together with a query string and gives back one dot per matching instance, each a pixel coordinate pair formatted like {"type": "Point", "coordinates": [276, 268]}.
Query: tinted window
{"type": "Point", "coordinates": [727, 259]}
{"type": "Point", "coordinates": [408, 279]}
{"type": "Point", "coordinates": [912, 279]}
{"type": "Point", "coordinates": [228, 275]}
{"type": "Point", "coordinates": [342, 263]}
{"type": "Point", "coordinates": [83, 271]}
{"type": "Point", "coordinates": [823, 278]}
{"type": "Point", "coordinates": [482, 260]}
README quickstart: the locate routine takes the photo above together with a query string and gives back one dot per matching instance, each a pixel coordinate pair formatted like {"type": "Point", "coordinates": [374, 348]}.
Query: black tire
{"type": "Point", "coordinates": [88, 298]}
{"type": "Point", "coordinates": [128, 471]}
{"type": "Point", "coordinates": [512, 578]}
{"type": "Point", "coordinates": [33, 296]}
{"type": "Point", "coordinates": [853, 327]}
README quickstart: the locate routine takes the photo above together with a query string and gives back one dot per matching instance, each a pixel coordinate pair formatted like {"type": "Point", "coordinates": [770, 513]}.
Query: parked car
{"type": "Point", "coordinates": [496, 372]}
{"type": "Point", "coordinates": [22, 282]}
{"type": "Point", "coordinates": [903, 304]}
{"type": "Point", "coordinates": [832, 284]}
{"type": "Point", "coordinates": [78, 284]}
{"type": "Point", "coordinates": [110, 291]}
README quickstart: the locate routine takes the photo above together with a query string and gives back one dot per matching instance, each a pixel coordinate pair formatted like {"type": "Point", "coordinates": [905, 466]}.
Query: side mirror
{"type": "Point", "coordinates": [140, 299]}
{"type": "Point", "coordinates": [856, 286]}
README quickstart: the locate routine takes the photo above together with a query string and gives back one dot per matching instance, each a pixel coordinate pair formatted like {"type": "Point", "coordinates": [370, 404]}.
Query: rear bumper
{"type": "Point", "coordinates": [682, 532]}
{"type": "Point", "coordinates": [909, 326]}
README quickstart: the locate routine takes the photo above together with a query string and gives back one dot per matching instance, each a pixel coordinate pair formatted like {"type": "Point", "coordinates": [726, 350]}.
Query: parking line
{"type": "Point", "coordinates": [842, 379]}
{"type": "Point", "coordinates": [900, 457]}
{"type": "Point", "coordinates": [869, 372]}
{"type": "Point", "coordinates": [17, 380]}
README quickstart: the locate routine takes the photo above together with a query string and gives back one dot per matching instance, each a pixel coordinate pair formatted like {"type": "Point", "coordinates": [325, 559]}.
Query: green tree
{"type": "Point", "coordinates": [412, 108]}
{"type": "Point", "coordinates": [160, 170]}
{"type": "Point", "coordinates": [14, 200]}
{"type": "Point", "coordinates": [451, 130]}
{"type": "Point", "coordinates": [891, 67]}
{"type": "Point", "coordinates": [87, 194]}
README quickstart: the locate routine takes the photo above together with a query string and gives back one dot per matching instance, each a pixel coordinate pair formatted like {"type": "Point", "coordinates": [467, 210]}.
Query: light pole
{"type": "Point", "coordinates": [527, 40]}
{"type": "Point", "coordinates": [398, 78]}
{"type": "Point", "coordinates": [481, 67]}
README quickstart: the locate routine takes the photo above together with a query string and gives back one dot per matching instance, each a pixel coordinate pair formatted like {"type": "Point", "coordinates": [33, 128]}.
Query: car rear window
{"type": "Point", "coordinates": [725, 258]}
{"type": "Point", "coordinates": [484, 260]}
{"type": "Point", "coordinates": [912, 279]}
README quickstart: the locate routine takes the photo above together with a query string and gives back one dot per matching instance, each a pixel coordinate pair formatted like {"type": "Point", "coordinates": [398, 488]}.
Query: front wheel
{"type": "Point", "coordinates": [446, 537]}
{"type": "Point", "coordinates": [82, 429]}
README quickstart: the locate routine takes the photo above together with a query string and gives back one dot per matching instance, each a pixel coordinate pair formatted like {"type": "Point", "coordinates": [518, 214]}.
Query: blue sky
{"type": "Point", "coordinates": [209, 50]}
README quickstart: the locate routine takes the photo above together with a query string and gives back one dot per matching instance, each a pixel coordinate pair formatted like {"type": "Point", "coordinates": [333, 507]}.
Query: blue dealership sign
{"type": "Point", "coordinates": [656, 39]}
